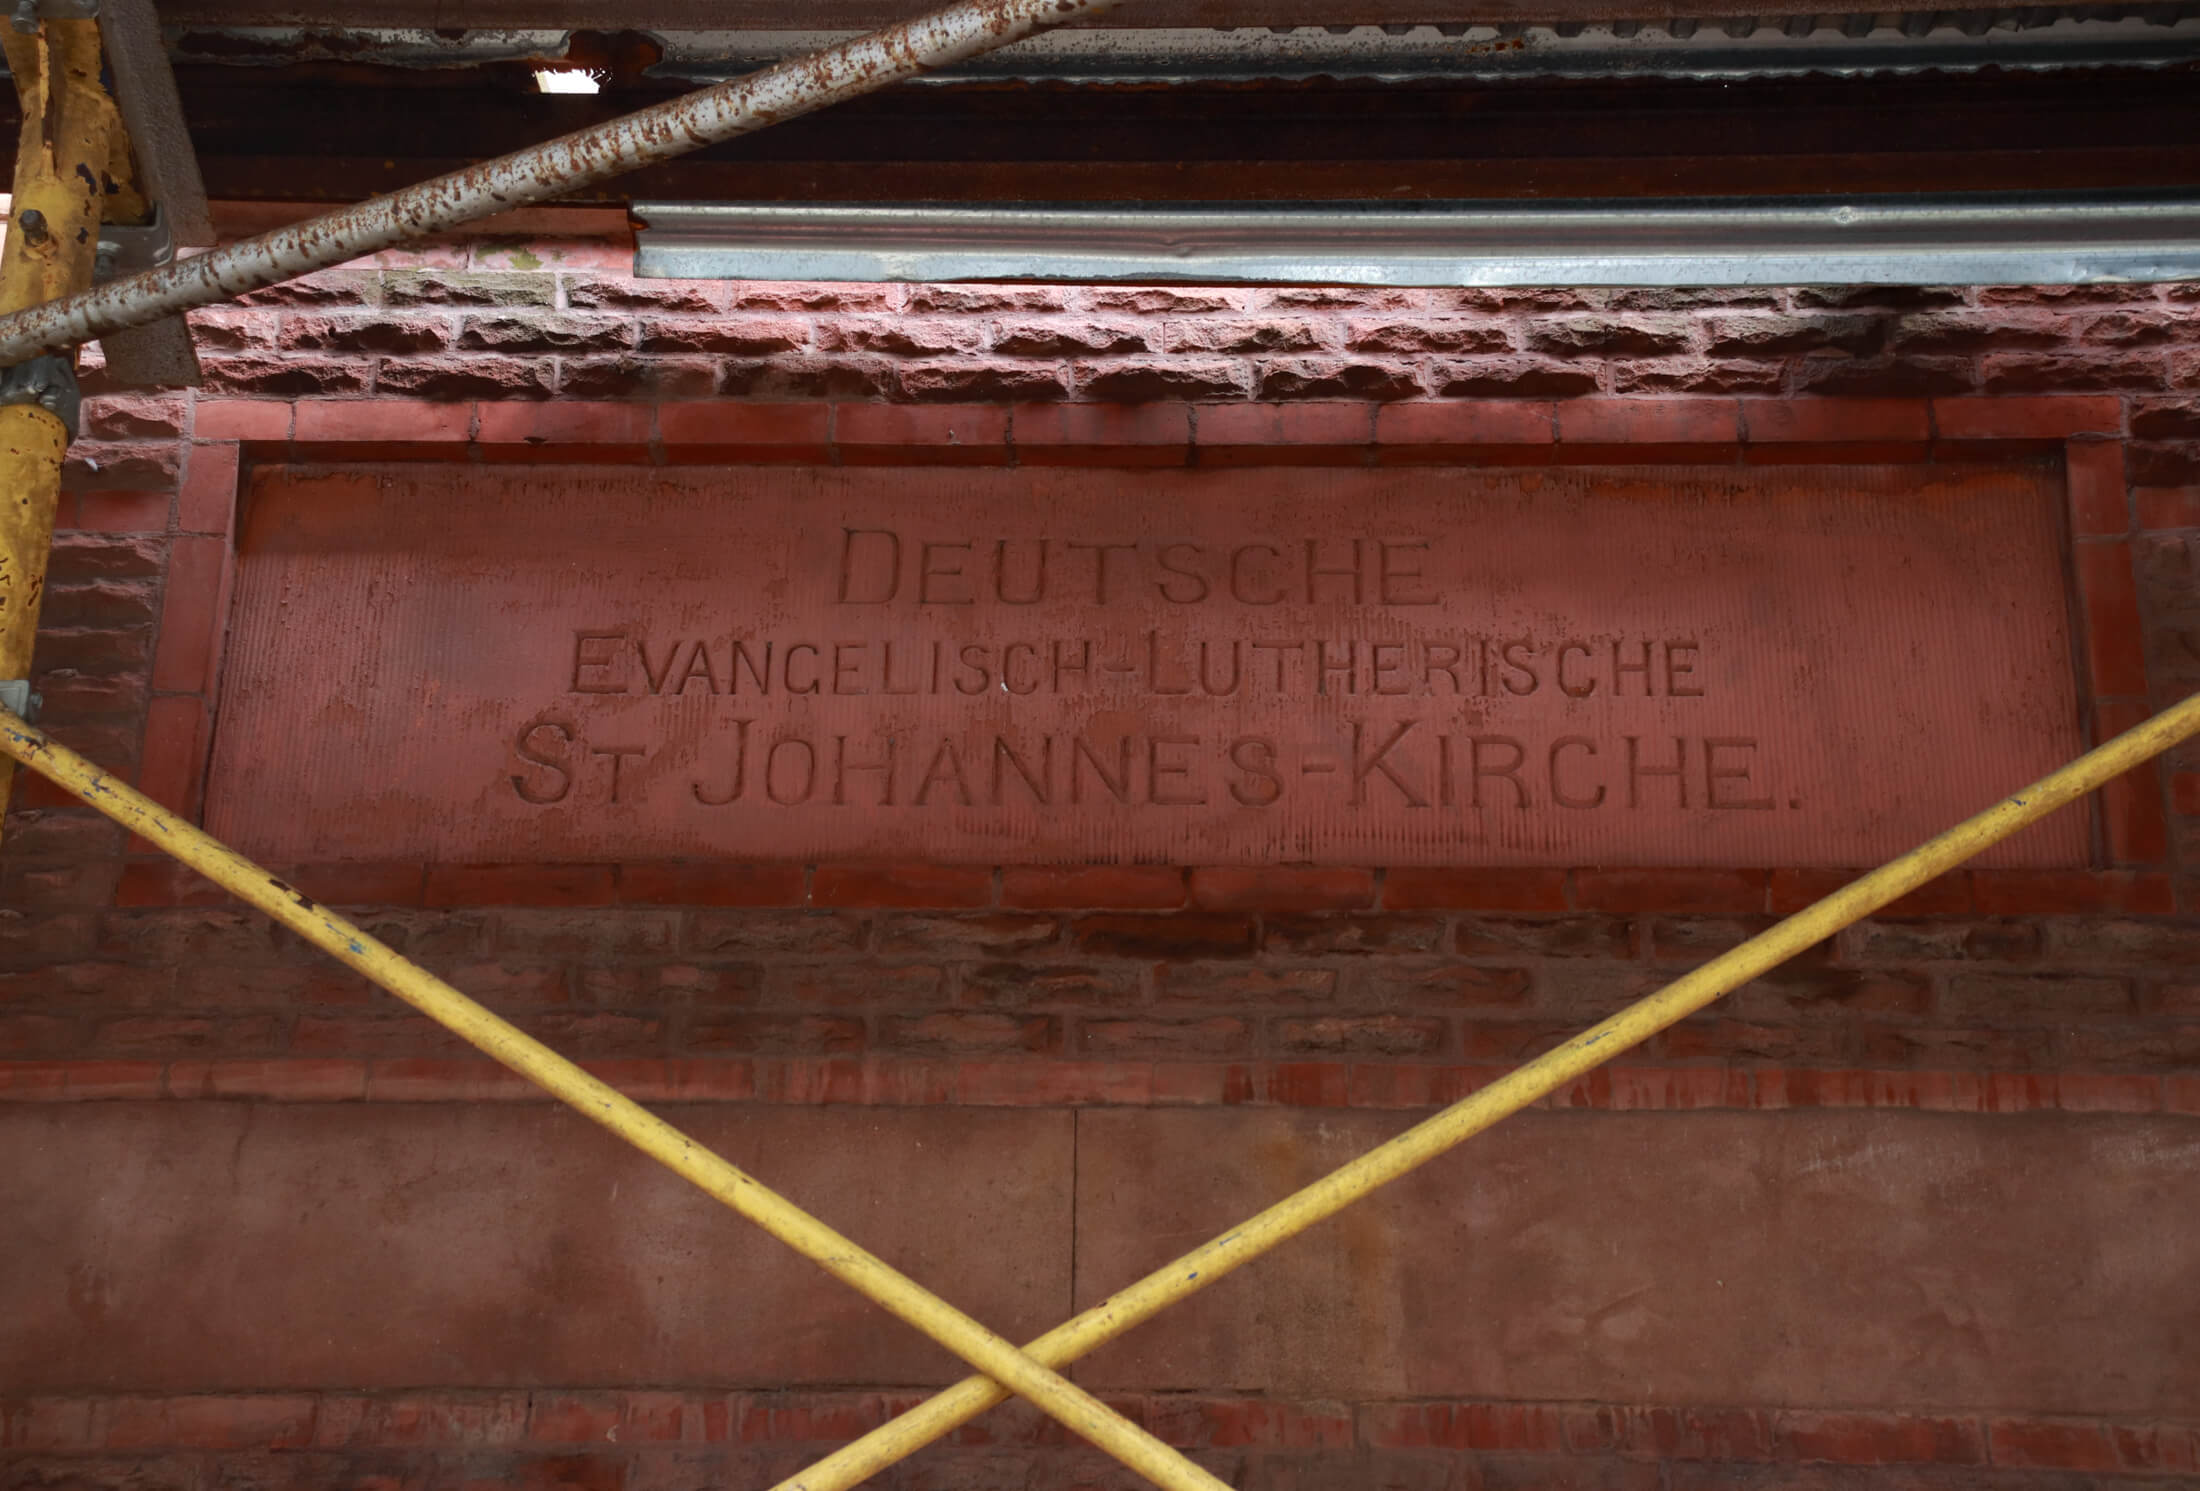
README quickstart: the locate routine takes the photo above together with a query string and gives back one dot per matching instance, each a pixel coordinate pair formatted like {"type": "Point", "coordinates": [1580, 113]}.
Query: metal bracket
{"type": "Point", "coordinates": [28, 13]}
{"type": "Point", "coordinates": [47, 381]}
{"type": "Point", "coordinates": [126, 248]}
{"type": "Point", "coordinates": [16, 695]}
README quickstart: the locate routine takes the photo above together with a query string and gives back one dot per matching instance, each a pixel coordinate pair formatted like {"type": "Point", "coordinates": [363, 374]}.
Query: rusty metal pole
{"type": "Point", "coordinates": [705, 117]}
{"type": "Point", "coordinates": [62, 186]}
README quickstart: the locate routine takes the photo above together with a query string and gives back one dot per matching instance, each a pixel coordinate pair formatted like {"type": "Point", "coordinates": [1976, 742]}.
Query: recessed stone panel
{"type": "Point", "coordinates": [1662, 666]}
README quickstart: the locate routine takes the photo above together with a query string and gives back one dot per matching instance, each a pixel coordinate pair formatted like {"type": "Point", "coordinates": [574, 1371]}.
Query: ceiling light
{"type": "Point", "coordinates": [567, 80]}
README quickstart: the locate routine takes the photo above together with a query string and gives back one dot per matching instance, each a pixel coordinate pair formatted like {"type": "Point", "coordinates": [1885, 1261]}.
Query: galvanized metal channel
{"type": "Point", "coordinates": [1944, 240]}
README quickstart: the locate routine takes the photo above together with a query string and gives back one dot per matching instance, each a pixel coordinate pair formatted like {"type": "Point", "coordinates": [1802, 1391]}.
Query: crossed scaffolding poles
{"type": "Point", "coordinates": [1030, 1372]}
{"type": "Point", "coordinates": [45, 318]}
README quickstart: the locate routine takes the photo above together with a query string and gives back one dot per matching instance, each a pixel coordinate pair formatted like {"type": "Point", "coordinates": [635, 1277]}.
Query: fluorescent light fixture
{"type": "Point", "coordinates": [1946, 239]}
{"type": "Point", "coordinates": [567, 80]}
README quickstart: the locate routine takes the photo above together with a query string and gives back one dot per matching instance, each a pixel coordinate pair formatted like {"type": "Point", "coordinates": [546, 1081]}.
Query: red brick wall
{"type": "Point", "coordinates": [1914, 1211]}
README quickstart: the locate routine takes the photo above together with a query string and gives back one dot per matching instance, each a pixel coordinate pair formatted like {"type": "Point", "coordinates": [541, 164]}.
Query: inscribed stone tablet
{"type": "Point", "coordinates": [1572, 666]}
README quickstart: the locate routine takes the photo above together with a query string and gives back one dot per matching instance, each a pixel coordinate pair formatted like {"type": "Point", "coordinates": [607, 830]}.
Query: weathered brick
{"type": "Point", "coordinates": [2096, 942]}
{"type": "Point", "coordinates": [954, 1032]}
{"type": "Point", "coordinates": [1992, 997]}
{"type": "Point", "coordinates": [133, 417]}
{"type": "Point", "coordinates": [965, 299]}
{"type": "Point", "coordinates": [1163, 1039]}
{"type": "Point", "coordinates": [1544, 936]}
{"type": "Point", "coordinates": [100, 556]}
{"type": "Point", "coordinates": [2061, 373]}
{"type": "Point", "coordinates": [1080, 888]}
{"type": "Point", "coordinates": [413, 287]}
{"type": "Point", "coordinates": [1885, 377]}
{"type": "Point", "coordinates": [1151, 300]}
{"type": "Point", "coordinates": [377, 332]}
{"type": "Point", "coordinates": [735, 336]}
{"type": "Point", "coordinates": [1362, 1035]}
{"type": "Point", "coordinates": [605, 292]}
{"type": "Point", "coordinates": [1273, 889]}
{"type": "Point", "coordinates": [1908, 1045]}
{"type": "Point", "coordinates": [967, 380]}
{"type": "Point", "coordinates": [539, 335]}
{"type": "Point", "coordinates": [638, 377]}
{"type": "Point", "coordinates": [1430, 334]}
{"type": "Point", "coordinates": [1335, 378]}
{"type": "Point", "coordinates": [1463, 1426]}
{"type": "Point", "coordinates": [1316, 935]}
{"type": "Point", "coordinates": [772, 932]}
{"type": "Point", "coordinates": [450, 380]}
{"type": "Point", "coordinates": [588, 934]}
{"type": "Point", "coordinates": [1020, 985]}
{"type": "Point", "coordinates": [1188, 935]}
{"type": "Point", "coordinates": [1609, 336]}
{"type": "Point", "coordinates": [1069, 338]}
{"type": "Point", "coordinates": [763, 1033]}
{"type": "Point", "coordinates": [795, 377]}
{"type": "Point", "coordinates": [1253, 985]}
{"type": "Point", "coordinates": [1142, 381]}
{"type": "Point", "coordinates": [1697, 376]}
{"type": "Point", "coordinates": [1208, 335]}
{"type": "Point", "coordinates": [1799, 990]}
{"type": "Point", "coordinates": [2057, 1446]}
{"type": "Point", "coordinates": [1439, 985]}
{"type": "Point", "coordinates": [1508, 378]}
{"type": "Point", "coordinates": [1778, 336]}
{"type": "Point", "coordinates": [990, 935]}
{"type": "Point", "coordinates": [1894, 943]}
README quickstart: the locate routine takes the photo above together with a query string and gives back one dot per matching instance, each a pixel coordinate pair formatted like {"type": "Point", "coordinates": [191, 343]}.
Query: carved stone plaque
{"type": "Point", "coordinates": [1538, 666]}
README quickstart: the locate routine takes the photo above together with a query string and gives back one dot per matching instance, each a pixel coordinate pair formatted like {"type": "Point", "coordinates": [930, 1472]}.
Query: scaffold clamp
{"type": "Point", "coordinates": [16, 696]}
{"type": "Point", "coordinates": [49, 381]}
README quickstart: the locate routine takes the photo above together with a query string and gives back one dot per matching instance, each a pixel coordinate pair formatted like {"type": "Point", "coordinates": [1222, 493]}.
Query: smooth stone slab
{"type": "Point", "coordinates": [1520, 666]}
{"type": "Point", "coordinates": [210, 1247]}
{"type": "Point", "coordinates": [1853, 1259]}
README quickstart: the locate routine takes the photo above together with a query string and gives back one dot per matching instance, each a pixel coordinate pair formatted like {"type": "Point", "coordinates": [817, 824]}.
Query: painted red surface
{"type": "Point", "coordinates": [1916, 1167]}
{"type": "Point", "coordinates": [1681, 666]}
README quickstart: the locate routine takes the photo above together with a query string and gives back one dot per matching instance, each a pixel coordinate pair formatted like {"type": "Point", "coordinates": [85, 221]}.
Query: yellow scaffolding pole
{"type": "Point", "coordinates": [870, 1276]}
{"type": "Point", "coordinates": [70, 133]}
{"type": "Point", "coordinates": [1469, 1116]}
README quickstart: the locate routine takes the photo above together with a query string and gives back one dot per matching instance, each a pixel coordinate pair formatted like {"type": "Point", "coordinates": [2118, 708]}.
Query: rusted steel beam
{"type": "Point", "coordinates": [542, 172]}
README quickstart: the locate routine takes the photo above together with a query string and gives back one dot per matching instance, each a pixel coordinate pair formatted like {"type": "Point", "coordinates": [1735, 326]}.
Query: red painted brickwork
{"type": "Point", "coordinates": [696, 1437]}
{"type": "Point", "coordinates": [2057, 999]}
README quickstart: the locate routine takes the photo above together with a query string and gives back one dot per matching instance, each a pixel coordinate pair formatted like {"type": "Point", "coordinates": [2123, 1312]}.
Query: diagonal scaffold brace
{"type": "Point", "coordinates": [945, 1411]}
{"type": "Point", "coordinates": [1026, 1372]}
